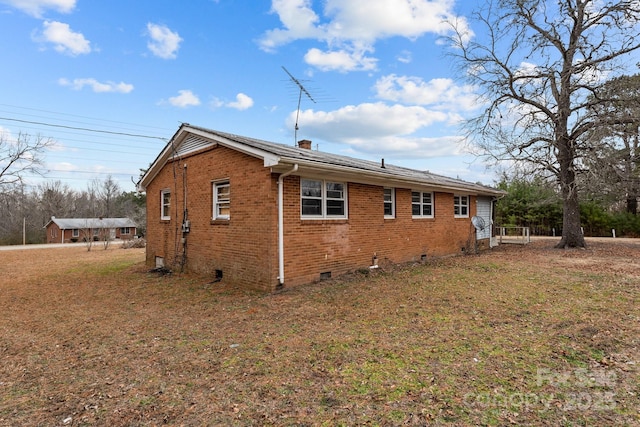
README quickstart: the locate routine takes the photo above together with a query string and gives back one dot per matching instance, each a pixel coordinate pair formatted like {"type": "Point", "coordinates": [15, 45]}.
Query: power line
{"type": "Point", "coordinates": [100, 119]}
{"type": "Point", "coordinates": [131, 162]}
{"type": "Point", "coordinates": [90, 172]}
{"type": "Point", "coordinates": [34, 128]}
{"type": "Point", "coordinates": [84, 129]}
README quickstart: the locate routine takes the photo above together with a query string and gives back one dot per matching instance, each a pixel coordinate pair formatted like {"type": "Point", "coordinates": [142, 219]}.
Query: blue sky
{"type": "Point", "coordinates": [111, 81]}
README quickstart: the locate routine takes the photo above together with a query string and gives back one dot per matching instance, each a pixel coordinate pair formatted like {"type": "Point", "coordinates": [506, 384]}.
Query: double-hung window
{"type": "Point", "coordinates": [421, 204]}
{"type": "Point", "coordinates": [165, 204]}
{"type": "Point", "coordinates": [221, 200]}
{"type": "Point", "coordinates": [75, 232]}
{"type": "Point", "coordinates": [124, 230]}
{"type": "Point", "coordinates": [461, 206]}
{"type": "Point", "coordinates": [323, 199]}
{"type": "Point", "coordinates": [389, 203]}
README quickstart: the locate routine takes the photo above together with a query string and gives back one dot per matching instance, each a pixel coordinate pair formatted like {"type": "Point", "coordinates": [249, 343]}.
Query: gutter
{"type": "Point", "coordinates": [281, 223]}
{"type": "Point", "coordinates": [386, 178]}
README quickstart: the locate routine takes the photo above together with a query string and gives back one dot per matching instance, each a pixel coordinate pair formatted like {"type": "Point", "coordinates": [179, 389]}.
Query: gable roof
{"type": "Point", "coordinates": [80, 223]}
{"type": "Point", "coordinates": [281, 158]}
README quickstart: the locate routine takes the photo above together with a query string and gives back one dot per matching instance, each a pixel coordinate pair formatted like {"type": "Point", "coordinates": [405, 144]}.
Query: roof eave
{"type": "Point", "coordinates": [379, 178]}
{"type": "Point", "coordinates": [269, 159]}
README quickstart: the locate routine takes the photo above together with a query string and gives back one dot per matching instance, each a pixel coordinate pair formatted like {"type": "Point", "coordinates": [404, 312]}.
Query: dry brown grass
{"type": "Point", "coordinates": [517, 336]}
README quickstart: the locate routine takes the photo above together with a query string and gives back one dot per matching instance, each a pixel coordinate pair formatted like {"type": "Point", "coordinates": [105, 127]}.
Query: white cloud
{"type": "Point", "coordinates": [96, 86]}
{"type": "Point", "coordinates": [6, 136]}
{"type": "Point", "coordinates": [440, 93]}
{"type": "Point", "coordinates": [378, 129]}
{"type": "Point", "coordinates": [37, 7]}
{"type": "Point", "coordinates": [299, 22]}
{"type": "Point", "coordinates": [354, 26]}
{"type": "Point", "coordinates": [163, 42]}
{"type": "Point", "coordinates": [405, 57]}
{"type": "Point", "coordinates": [400, 147]}
{"type": "Point", "coordinates": [370, 20]}
{"type": "Point", "coordinates": [64, 40]}
{"type": "Point", "coordinates": [341, 60]}
{"type": "Point", "coordinates": [242, 102]}
{"type": "Point", "coordinates": [184, 99]}
{"type": "Point", "coordinates": [368, 121]}
{"type": "Point", "coordinates": [64, 167]}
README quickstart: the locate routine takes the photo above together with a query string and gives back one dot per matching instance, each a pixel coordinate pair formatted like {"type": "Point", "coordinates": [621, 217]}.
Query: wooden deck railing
{"type": "Point", "coordinates": [514, 235]}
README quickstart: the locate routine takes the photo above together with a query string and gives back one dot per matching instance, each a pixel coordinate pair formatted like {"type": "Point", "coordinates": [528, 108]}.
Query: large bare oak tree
{"type": "Point", "coordinates": [538, 64]}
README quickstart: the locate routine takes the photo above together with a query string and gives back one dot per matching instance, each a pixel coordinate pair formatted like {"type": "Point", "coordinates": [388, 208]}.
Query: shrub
{"type": "Point", "coordinates": [134, 243]}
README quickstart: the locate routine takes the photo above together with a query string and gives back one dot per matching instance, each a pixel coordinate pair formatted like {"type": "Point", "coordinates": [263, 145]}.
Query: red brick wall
{"type": "Point", "coordinates": [338, 246]}
{"type": "Point", "coordinates": [245, 248]}
{"type": "Point", "coordinates": [131, 235]}
{"type": "Point", "coordinates": [69, 238]}
{"type": "Point", "coordinates": [57, 233]}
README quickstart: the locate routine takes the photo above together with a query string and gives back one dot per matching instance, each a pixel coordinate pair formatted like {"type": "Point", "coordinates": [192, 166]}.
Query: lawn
{"type": "Point", "coordinates": [515, 336]}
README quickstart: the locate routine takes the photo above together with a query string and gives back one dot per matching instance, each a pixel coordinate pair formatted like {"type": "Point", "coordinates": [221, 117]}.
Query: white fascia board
{"type": "Point", "coordinates": [268, 158]}
{"type": "Point", "coordinates": [162, 159]}
{"type": "Point", "coordinates": [310, 169]}
{"type": "Point", "coordinates": [254, 152]}
{"type": "Point", "coordinates": [155, 167]}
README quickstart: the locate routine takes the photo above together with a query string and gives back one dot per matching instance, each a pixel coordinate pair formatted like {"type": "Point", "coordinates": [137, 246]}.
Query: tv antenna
{"type": "Point", "coordinates": [302, 90]}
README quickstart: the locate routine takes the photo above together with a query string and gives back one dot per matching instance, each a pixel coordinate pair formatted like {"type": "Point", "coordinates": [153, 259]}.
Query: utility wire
{"type": "Point", "coordinates": [101, 120]}
{"type": "Point", "coordinates": [83, 129]}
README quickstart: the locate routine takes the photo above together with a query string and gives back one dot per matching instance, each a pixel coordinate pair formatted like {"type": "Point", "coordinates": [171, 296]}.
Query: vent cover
{"type": "Point", "coordinates": [192, 143]}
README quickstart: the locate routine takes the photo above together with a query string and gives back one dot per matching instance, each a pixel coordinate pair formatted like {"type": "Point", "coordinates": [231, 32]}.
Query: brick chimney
{"type": "Point", "coordinates": [304, 143]}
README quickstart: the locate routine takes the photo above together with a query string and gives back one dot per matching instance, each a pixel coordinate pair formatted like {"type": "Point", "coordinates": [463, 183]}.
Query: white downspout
{"type": "Point", "coordinates": [281, 223]}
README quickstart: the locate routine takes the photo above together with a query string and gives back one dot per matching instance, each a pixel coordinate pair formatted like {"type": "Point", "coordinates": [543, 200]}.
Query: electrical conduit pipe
{"type": "Point", "coordinates": [281, 223]}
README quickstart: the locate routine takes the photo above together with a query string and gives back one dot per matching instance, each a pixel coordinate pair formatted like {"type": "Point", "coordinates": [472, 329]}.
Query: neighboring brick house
{"type": "Point", "coordinates": [263, 215]}
{"type": "Point", "coordinates": [70, 230]}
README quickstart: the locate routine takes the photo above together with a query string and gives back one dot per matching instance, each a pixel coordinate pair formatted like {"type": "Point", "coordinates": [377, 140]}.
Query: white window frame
{"type": "Point", "coordinates": [124, 230]}
{"type": "Point", "coordinates": [390, 202]}
{"type": "Point", "coordinates": [165, 206]}
{"type": "Point", "coordinates": [422, 204]}
{"type": "Point", "coordinates": [75, 232]}
{"type": "Point", "coordinates": [219, 203]}
{"type": "Point", "coordinates": [460, 208]}
{"type": "Point", "coordinates": [323, 200]}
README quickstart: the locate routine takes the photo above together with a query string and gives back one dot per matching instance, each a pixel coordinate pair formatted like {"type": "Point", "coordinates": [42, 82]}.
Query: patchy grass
{"type": "Point", "coordinates": [516, 336]}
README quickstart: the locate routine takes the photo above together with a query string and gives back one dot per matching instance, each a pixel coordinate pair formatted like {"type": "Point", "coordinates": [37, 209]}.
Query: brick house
{"type": "Point", "coordinates": [70, 230]}
{"type": "Point", "coordinates": [265, 215]}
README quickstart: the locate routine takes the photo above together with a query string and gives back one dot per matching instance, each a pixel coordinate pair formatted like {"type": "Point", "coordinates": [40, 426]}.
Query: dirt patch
{"type": "Point", "coordinates": [516, 336]}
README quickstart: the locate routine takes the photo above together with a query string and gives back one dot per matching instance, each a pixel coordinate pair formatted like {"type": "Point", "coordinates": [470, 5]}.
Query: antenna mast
{"type": "Point", "coordinates": [306, 92]}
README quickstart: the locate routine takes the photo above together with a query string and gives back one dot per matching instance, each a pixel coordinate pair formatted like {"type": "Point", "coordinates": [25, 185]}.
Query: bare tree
{"type": "Point", "coordinates": [614, 164]}
{"type": "Point", "coordinates": [20, 156]}
{"type": "Point", "coordinates": [105, 232]}
{"type": "Point", "coordinates": [56, 199]}
{"type": "Point", "coordinates": [537, 63]}
{"type": "Point", "coordinates": [87, 234]}
{"type": "Point", "coordinates": [108, 191]}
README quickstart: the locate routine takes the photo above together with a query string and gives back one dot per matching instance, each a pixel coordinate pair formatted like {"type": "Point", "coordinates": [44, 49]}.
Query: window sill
{"type": "Point", "coordinates": [423, 217]}
{"type": "Point", "coordinates": [310, 221]}
{"type": "Point", "coordinates": [219, 222]}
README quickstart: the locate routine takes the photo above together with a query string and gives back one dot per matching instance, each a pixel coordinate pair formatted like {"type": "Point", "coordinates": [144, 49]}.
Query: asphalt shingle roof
{"type": "Point", "coordinates": [321, 158]}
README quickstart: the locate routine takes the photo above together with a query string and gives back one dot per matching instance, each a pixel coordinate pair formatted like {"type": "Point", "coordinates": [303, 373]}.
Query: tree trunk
{"type": "Point", "coordinates": [572, 236]}
{"type": "Point", "coordinates": [632, 205]}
